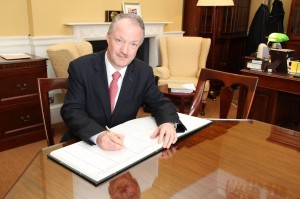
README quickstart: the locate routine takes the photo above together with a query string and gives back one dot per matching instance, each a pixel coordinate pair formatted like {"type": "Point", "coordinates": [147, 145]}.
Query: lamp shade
{"type": "Point", "coordinates": [215, 3]}
{"type": "Point", "coordinates": [277, 37]}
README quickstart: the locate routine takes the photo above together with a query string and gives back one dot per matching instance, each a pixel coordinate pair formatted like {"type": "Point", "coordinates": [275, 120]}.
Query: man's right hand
{"type": "Point", "coordinates": [110, 141]}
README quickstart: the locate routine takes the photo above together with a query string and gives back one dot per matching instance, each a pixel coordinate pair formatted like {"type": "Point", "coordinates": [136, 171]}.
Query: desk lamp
{"type": "Point", "coordinates": [277, 37]}
{"type": "Point", "coordinates": [214, 3]}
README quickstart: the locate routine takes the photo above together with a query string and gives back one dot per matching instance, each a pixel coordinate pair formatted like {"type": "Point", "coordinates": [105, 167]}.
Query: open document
{"type": "Point", "coordinates": [97, 165]}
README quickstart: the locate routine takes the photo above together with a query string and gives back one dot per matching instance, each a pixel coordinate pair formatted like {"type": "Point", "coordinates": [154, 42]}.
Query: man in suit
{"type": "Point", "coordinates": [87, 108]}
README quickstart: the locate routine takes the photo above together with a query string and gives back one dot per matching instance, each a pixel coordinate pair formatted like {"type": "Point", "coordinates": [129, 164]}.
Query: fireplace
{"type": "Point", "coordinates": [95, 31]}
{"type": "Point", "coordinates": [142, 53]}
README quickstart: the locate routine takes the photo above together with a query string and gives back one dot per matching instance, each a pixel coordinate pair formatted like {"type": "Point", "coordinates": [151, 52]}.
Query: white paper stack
{"type": "Point", "coordinates": [181, 87]}
{"type": "Point", "coordinates": [254, 66]}
{"type": "Point", "coordinates": [13, 56]}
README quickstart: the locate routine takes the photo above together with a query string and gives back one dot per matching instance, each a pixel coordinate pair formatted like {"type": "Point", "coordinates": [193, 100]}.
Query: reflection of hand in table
{"type": "Point", "coordinates": [168, 153]}
{"type": "Point", "coordinates": [124, 186]}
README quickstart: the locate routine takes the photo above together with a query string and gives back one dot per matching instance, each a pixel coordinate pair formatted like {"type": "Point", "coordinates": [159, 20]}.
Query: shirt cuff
{"type": "Point", "coordinates": [94, 138]}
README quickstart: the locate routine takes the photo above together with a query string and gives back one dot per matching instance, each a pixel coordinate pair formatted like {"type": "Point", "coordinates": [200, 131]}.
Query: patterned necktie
{"type": "Point", "coordinates": [113, 90]}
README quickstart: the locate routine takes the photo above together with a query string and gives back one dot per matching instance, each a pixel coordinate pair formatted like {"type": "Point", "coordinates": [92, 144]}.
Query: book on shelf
{"type": "Point", "coordinates": [255, 66]}
{"type": "Point", "coordinates": [181, 87]}
{"type": "Point", "coordinates": [13, 56]}
{"type": "Point", "coordinates": [97, 165]}
{"type": "Point", "coordinates": [259, 61]}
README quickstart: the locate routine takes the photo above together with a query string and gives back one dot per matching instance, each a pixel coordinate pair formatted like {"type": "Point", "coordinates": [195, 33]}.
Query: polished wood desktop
{"type": "Point", "coordinates": [228, 159]}
{"type": "Point", "coordinates": [277, 98]}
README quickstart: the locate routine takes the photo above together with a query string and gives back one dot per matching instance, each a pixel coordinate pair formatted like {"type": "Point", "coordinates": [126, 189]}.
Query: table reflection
{"type": "Point", "coordinates": [228, 159]}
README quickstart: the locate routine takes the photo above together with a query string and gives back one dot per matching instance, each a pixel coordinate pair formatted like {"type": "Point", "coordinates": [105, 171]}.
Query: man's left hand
{"type": "Point", "coordinates": [166, 133]}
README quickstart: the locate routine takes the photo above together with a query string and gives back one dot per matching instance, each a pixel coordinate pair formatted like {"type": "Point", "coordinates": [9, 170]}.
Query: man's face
{"type": "Point", "coordinates": [123, 43]}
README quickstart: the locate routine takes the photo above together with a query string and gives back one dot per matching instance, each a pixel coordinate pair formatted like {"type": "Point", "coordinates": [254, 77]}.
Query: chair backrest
{"type": "Point", "coordinates": [60, 55]}
{"type": "Point", "coordinates": [230, 81]}
{"type": "Point", "coordinates": [184, 56]}
{"type": "Point", "coordinates": [45, 85]}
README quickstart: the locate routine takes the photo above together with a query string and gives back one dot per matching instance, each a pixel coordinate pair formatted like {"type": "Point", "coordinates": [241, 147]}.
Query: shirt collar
{"type": "Point", "coordinates": [110, 69]}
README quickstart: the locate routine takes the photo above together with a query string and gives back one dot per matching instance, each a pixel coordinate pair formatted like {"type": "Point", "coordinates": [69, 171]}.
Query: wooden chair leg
{"type": "Point", "coordinates": [202, 112]}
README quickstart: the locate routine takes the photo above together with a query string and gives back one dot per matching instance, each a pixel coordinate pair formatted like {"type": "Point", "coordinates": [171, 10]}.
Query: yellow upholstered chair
{"type": "Point", "coordinates": [60, 55]}
{"type": "Point", "coordinates": [182, 59]}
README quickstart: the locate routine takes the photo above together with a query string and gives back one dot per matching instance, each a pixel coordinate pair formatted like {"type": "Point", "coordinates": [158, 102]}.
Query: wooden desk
{"type": "Point", "coordinates": [20, 113]}
{"type": "Point", "coordinates": [228, 159]}
{"type": "Point", "coordinates": [277, 99]}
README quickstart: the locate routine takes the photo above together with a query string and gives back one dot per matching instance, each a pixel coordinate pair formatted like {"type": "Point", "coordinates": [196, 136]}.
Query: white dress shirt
{"type": "Point", "coordinates": [110, 70]}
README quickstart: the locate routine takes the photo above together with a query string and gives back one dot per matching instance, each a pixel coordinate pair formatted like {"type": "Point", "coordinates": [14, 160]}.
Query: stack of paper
{"type": "Point", "coordinates": [255, 65]}
{"type": "Point", "coordinates": [181, 87]}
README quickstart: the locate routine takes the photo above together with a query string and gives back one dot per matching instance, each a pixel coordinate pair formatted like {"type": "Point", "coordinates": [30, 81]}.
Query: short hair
{"type": "Point", "coordinates": [132, 17]}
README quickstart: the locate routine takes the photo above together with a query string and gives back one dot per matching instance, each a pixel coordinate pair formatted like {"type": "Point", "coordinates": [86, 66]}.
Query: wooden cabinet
{"type": "Point", "coordinates": [263, 105]}
{"type": "Point", "coordinates": [276, 99]}
{"type": "Point", "coordinates": [20, 113]}
{"type": "Point", "coordinates": [231, 31]}
{"type": "Point", "coordinates": [293, 30]}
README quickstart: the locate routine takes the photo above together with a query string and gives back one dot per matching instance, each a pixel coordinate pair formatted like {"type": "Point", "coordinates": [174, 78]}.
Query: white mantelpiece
{"type": "Point", "coordinates": [97, 30]}
{"type": "Point", "coordinates": [91, 31]}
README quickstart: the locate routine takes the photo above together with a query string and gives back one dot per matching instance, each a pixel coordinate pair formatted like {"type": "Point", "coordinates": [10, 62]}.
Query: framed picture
{"type": "Point", "coordinates": [111, 14]}
{"type": "Point", "coordinates": [132, 8]}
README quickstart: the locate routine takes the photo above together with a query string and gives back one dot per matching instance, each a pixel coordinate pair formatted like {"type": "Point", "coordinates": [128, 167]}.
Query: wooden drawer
{"type": "Point", "coordinates": [20, 113]}
{"type": "Point", "coordinates": [21, 119]}
{"type": "Point", "coordinates": [19, 86]}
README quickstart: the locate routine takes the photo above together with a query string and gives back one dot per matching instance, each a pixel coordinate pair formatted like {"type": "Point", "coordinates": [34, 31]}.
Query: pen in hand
{"type": "Point", "coordinates": [120, 143]}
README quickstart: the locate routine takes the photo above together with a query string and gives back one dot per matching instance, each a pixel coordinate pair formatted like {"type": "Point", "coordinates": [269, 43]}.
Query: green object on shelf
{"type": "Point", "coordinates": [277, 37]}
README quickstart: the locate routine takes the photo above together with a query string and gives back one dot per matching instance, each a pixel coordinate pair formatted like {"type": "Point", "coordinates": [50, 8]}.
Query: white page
{"type": "Point", "coordinates": [98, 164]}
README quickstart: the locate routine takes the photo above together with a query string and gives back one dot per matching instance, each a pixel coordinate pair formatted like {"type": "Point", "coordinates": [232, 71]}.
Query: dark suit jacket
{"type": "Point", "coordinates": [86, 109]}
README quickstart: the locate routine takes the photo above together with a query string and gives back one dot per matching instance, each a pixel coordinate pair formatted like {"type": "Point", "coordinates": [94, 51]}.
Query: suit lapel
{"type": "Point", "coordinates": [101, 86]}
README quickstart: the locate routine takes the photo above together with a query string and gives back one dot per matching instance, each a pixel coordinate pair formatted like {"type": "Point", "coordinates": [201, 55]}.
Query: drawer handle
{"type": "Point", "coordinates": [25, 119]}
{"type": "Point", "coordinates": [22, 87]}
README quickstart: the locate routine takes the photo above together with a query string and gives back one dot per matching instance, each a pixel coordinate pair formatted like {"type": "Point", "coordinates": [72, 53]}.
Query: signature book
{"type": "Point", "coordinates": [97, 165]}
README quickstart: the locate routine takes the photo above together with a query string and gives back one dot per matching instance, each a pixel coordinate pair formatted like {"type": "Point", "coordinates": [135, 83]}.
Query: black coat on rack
{"type": "Point", "coordinates": [257, 32]}
{"type": "Point", "coordinates": [275, 22]}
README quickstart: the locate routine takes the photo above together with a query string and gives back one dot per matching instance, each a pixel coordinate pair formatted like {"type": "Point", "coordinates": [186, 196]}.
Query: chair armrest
{"type": "Point", "coordinates": [161, 72]}
{"type": "Point", "coordinates": [199, 71]}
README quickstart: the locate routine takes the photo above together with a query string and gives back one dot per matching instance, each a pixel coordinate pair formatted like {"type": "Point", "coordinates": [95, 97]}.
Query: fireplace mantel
{"type": "Point", "coordinates": [92, 31]}
{"type": "Point", "coordinates": [98, 30]}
